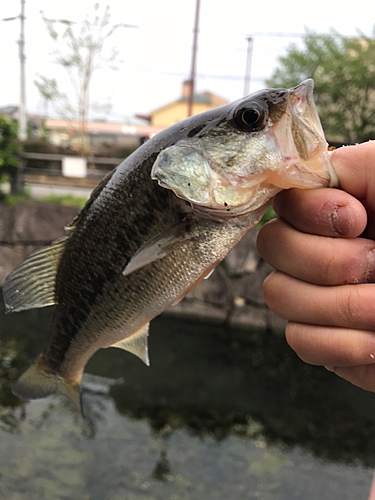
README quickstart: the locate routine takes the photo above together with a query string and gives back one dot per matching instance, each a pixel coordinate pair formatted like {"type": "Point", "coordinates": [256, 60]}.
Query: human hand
{"type": "Point", "coordinates": [323, 250]}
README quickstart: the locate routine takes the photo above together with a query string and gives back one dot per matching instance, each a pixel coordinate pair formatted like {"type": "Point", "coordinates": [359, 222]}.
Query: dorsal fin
{"type": "Point", "coordinates": [136, 344]}
{"type": "Point", "coordinates": [32, 283]}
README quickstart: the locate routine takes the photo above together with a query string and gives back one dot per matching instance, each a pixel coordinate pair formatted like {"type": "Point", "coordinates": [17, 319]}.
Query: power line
{"type": "Point", "coordinates": [278, 34]}
{"type": "Point", "coordinates": [11, 18]}
{"type": "Point", "coordinates": [67, 22]}
{"type": "Point", "coordinates": [199, 75]}
{"type": "Point", "coordinates": [285, 34]}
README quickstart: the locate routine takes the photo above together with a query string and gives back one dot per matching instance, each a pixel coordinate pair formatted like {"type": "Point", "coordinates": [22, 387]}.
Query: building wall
{"type": "Point", "coordinates": [168, 115]}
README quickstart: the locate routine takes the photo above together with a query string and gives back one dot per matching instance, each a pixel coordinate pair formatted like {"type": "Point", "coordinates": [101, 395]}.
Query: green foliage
{"type": "Point", "coordinates": [269, 215]}
{"type": "Point", "coordinates": [13, 199]}
{"type": "Point", "coordinates": [68, 200]}
{"type": "Point", "coordinates": [38, 145]}
{"type": "Point", "coordinates": [47, 87]}
{"type": "Point", "coordinates": [50, 93]}
{"type": "Point", "coordinates": [344, 73]}
{"type": "Point", "coordinates": [8, 146]}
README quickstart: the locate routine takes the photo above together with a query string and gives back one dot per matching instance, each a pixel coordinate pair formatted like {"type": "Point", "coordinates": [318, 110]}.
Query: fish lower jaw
{"type": "Point", "coordinates": [256, 205]}
{"type": "Point", "coordinates": [302, 175]}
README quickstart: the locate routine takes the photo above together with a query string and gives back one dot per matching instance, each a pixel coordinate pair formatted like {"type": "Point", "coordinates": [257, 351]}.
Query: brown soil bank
{"type": "Point", "coordinates": [233, 293]}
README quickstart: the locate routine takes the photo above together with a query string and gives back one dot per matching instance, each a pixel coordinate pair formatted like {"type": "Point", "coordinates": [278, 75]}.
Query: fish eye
{"type": "Point", "coordinates": [251, 117]}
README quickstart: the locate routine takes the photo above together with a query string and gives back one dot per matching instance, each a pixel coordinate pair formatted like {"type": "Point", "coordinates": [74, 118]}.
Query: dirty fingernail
{"type": "Point", "coordinates": [370, 273]}
{"type": "Point", "coordinates": [340, 221]}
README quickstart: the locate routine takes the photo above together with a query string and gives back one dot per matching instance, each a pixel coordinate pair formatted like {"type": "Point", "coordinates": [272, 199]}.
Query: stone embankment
{"type": "Point", "coordinates": [232, 294]}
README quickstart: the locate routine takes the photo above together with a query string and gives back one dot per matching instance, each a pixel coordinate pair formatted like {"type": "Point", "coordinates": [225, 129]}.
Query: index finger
{"type": "Point", "coordinates": [355, 167]}
{"type": "Point", "coordinates": [336, 212]}
{"type": "Point", "coordinates": [325, 212]}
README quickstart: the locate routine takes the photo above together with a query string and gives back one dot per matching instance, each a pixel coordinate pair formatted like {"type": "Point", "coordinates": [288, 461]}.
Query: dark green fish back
{"type": "Point", "coordinates": [128, 211]}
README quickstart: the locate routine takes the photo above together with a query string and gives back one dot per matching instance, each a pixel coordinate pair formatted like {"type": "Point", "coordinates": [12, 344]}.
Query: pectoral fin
{"type": "Point", "coordinates": [158, 247]}
{"type": "Point", "coordinates": [209, 274]}
{"type": "Point", "coordinates": [32, 283]}
{"type": "Point", "coordinates": [136, 344]}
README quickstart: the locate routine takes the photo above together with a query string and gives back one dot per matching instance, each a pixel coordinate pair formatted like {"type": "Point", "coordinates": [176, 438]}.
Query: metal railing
{"type": "Point", "coordinates": [52, 157]}
{"type": "Point", "coordinates": [53, 167]}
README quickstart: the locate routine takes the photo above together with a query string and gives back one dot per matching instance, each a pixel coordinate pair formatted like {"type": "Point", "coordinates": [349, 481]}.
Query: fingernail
{"type": "Point", "coordinates": [340, 220]}
{"type": "Point", "coordinates": [370, 273]}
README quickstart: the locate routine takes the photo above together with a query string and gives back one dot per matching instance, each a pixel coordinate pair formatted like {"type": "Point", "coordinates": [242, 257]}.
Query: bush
{"type": "Point", "coordinates": [105, 151]}
{"type": "Point", "coordinates": [8, 147]}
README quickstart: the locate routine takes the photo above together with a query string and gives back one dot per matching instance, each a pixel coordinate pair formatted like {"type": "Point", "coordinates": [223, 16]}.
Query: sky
{"type": "Point", "coordinates": [156, 56]}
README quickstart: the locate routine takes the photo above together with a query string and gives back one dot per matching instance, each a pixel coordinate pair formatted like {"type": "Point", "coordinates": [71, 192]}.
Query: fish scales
{"type": "Point", "coordinates": [107, 239]}
{"type": "Point", "coordinates": [159, 223]}
{"type": "Point", "coordinates": [116, 300]}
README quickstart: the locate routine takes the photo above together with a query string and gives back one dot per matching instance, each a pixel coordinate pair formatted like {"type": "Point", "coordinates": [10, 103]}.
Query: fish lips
{"type": "Point", "coordinates": [307, 140]}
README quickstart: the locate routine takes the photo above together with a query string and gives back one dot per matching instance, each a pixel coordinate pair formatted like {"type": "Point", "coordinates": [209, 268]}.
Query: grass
{"type": "Point", "coordinates": [68, 200]}
{"type": "Point", "coordinates": [11, 199]}
{"type": "Point", "coordinates": [73, 201]}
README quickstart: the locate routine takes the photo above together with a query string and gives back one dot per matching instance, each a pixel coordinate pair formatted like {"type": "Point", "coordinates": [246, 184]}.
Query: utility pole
{"type": "Point", "coordinates": [250, 42]}
{"type": "Point", "coordinates": [193, 60]}
{"type": "Point", "coordinates": [16, 174]}
{"type": "Point", "coordinates": [22, 132]}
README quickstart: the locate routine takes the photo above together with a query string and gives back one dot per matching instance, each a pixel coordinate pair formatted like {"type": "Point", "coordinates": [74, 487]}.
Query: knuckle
{"type": "Point", "coordinates": [348, 306]}
{"type": "Point", "coordinates": [330, 269]}
{"type": "Point", "coordinates": [268, 288]}
{"type": "Point", "coordinates": [271, 290]}
{"type": "Point", "coordinates": [292, 337]}
{"type": "Point", "coordinates": [266, 237]}
{"type": "Point", "coordinates": [276, 294]}
{"type": "Point", "coordinates": [341, 268]}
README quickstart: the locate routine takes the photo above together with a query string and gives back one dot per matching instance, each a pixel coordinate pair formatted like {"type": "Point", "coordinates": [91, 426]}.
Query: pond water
{"type": "Point", "coordinates": [221, 414]}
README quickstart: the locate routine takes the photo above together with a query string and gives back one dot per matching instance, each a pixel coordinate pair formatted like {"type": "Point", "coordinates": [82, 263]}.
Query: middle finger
{"type": "Point", "coordinates": [345, 306]}
{"type": "Point", "coordinates": [317, 259]}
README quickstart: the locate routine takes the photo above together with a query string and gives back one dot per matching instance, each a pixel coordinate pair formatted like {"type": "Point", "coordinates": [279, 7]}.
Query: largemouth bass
{"type": "Point", "coordinates": [159, 223]}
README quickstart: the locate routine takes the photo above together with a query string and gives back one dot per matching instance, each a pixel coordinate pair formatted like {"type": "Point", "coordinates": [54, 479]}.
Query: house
{"type": "Point", "coordinates": [100, 134]}
{"type": "Point", "coordinates": [178, 110]}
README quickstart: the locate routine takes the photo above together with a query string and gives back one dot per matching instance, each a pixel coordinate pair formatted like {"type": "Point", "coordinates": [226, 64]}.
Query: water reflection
{"type": "Point", "coordinates": [220, 414]}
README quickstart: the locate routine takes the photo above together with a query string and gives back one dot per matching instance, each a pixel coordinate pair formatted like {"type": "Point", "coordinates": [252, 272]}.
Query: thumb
{"type": "Point", "coordinates": [355, 167]}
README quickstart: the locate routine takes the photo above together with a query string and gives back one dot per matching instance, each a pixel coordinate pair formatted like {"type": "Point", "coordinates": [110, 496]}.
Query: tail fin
{"type": "Point", "coordinates": [37, 382]}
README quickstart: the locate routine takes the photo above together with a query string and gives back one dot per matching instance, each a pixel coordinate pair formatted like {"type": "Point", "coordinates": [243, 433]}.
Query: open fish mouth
{"type": "Point", "coordinates": [306, 141]}
{"type": "Point", "coordinates": [307, 131]}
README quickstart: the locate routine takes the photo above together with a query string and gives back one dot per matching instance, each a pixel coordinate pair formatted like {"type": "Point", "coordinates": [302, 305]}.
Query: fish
{"type": "Point", "coordinates": [161, 222]}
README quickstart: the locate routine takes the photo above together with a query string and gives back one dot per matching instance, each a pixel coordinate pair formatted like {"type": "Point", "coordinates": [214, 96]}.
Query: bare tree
{"type": "Point", "coordinates": [81, 53]}
{"type": "Point", "coordinates": [49, 91]}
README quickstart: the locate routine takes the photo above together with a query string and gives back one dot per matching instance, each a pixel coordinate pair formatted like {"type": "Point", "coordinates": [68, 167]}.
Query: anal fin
{"type": "Point", "coordinates": [136, 343]}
